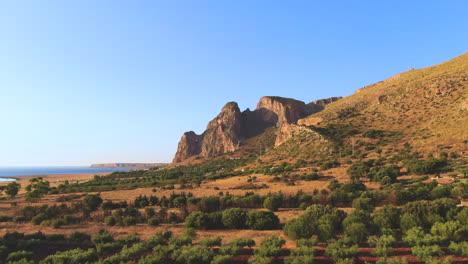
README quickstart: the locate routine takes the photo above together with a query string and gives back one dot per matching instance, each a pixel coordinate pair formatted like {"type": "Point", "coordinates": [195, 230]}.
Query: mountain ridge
{"type": "Point", "coordinates": [426, 107]}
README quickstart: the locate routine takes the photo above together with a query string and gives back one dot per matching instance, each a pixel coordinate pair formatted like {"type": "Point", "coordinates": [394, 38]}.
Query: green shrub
{"type": "Point", "coordinates": [153, 222]}
{"type": "Point", "coordinates": [113, 260]}
{"type": "Point", "coordinates": [426, 252]}
{"type": "Point", "coordinates": [383, 245]}
{"type": "Point", "coordinates": [153, 260]}
{"type": "Point", "coordinates": [450, 230]}
{"type": "Point", "coordinates": [220, 259]}
{"type": "Point", "coordinates": [260, 260]}
{"type": "Point", "coordinates": [324, 221]}
{"type": "Point", "coordinates": [270, 247]}
{"type": "Point", "coordinates": [243, 242]}
{"type": "Point", "coordinates": [211, 241]}
{"type": "Point", "coordinates": [133, 251]}
{"type": "Point", "coordinates": [439, 261]}
{"type": "Point", "coordinates": [92, 201]}
{"type": "Point", "coordinates": [341, 248]}
{"type": "Point", "coordinates": [363, 204]}
{"type": "Point", "coordinates": [232, 250]}
{"type": "Point", "coordinates": [357, 232]}
{"type": "Point", "coordinates": [200, 220]}
{"type": "Point", "coordinates": [429, 166]}
{"type": "Point", "coordinates": [128, 240]}
{"type": "Point", "coordinates": [75, 256]}
{"type": "Point", "coordinates": [459, 249]}
{"type": "Point", "coordinates": [387, 217]}
{"type": "Point", "coordinates": [417, 237]}
{"type": "Point", "coordinates": [22, 261]}
{"type": "Point", "coordinates": [261, 220]}
{"type": "Point", "coordinates": [189, 233]}
{"type": "Point", "coordinates": [234, 218]}
{"type": "Point", "coordinates": [130, 221]}
{"type": "Point", "coordinates": [157, 239]}
{"type": "Point", "coordinates": [197, 220]}
{"type": "Point", "coordinates": [392, 261]}
{"type": "Point", "coordinates": [80, 237]}
{"type": "Point", "coordinates": [57, 223]}
{"type": "Point", "coordinates": [18, 255]}
{"type": "Point", "coordinates": [107, 248]}
{"type": "Point", "coordinates": [299, 260]}
{"type": "Point", "coordinates": [110, 221]}
{"type": "Point", "coordinates": [180, 241]}
{"type": "Point", "coordinates": [163, 252]}
{"type": "Point", "coordinates": [70, 219]}
{"type": "Point", "coordinates": [37, 220]}
{"type": "Point", "coordinates": [193, 255]}
{"type": "Point", "coordinates": [272, 203]}
{"type": "Point", "coordinates": [103, 237]}
{"type": "Point", "coordinates": [345, 261]}
{"type": "Point", "coordinates": [303, 251]}
{"type": "Point", "coordinates": [307, 242]}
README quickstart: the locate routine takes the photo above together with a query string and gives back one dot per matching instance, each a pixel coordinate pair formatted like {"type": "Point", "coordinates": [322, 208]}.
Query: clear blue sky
{"type": "Point", "coordinates": [119, 81]}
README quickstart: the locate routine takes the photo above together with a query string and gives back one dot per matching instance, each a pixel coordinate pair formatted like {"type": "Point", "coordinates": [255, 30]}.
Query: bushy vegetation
{"type": "Point", "coordinates": [411, 213]}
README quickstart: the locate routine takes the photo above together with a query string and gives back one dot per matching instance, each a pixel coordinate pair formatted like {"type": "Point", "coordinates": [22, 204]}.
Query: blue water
{"type": "Point", "coordinates": [6, 172]}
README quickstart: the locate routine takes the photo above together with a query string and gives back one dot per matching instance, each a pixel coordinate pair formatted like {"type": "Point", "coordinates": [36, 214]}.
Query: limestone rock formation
{"type": "Point", "coordinates": [223, 133]}
{"type": "Point", "coordinates": [280, 110]}
{"type": "Point", "coordinates": [326, 101]}
{"type": "Point", "coordinates": [227, 130]}
{"type": "Point", "coordinates": [189, 145]}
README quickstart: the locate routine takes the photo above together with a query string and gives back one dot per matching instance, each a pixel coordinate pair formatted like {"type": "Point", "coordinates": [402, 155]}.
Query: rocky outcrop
{"type": "Point", "coordinates": [223, 133]}
{"type": "Point", "coordinates": [189, 145]}
{"type": "Point", "coordinates": [281, 110]}
{"type": "Point", "coordinates": [288, 131]}
{"type": "Point", "coordinates": [226, 131]}
{"type": "Point", "coordinates": [326, 101]}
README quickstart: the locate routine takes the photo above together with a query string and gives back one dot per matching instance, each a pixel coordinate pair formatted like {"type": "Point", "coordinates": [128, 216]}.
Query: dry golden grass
{"type": "Point", "coordinates": [225, 185]}
{"type": "Point", "coordinates": [428, 106]}
{"type": "Point", "coordinates": [143, 231]}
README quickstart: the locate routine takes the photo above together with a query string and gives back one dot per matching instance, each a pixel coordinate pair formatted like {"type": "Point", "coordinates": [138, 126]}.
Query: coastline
{"type": "Point", "coordinates": [54, 179]}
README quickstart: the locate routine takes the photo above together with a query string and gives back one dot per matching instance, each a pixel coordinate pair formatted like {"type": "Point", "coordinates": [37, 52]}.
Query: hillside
{"type": "Point", "coordinates": [428, 107]}
{"type": "Point", "coordinates": [425, 108]}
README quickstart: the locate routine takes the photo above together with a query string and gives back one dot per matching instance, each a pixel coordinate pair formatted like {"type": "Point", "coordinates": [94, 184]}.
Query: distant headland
{"type": "Point", "coordinates": [139, 166]}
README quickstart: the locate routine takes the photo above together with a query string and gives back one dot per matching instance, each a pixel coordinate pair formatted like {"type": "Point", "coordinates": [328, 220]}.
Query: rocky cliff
{"type": "Point", "coordinates": [281, 110]}
{"type": "Point", "coordinates": [223, 133]}
{"type": "Point", "coordinates": [227, 130]}
{"type": "Point", "coordinates": [189, 145]}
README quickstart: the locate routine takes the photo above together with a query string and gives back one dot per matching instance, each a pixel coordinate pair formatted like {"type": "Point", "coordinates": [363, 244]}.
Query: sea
{"type": "Point", "coordinates": [6, 172]}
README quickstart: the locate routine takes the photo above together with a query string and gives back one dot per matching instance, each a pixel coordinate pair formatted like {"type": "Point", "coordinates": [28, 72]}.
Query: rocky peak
{"type": "Point", "coordinates": [229, 115]}
{"type": "Point", "coordinates": [223, 133]}
{"type": "Point", "coordinates": [189, 145]}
